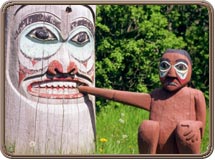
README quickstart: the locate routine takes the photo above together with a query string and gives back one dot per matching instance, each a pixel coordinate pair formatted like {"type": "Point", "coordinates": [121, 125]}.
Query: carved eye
{"type": "Point", "coordinates": [81, 38]}
{"type": "Point", "coordinates": [181, 66]}
{"type": "Point", "coordinates": [42, 34]}
{"type": "Point", "coordinates": [164, 65]}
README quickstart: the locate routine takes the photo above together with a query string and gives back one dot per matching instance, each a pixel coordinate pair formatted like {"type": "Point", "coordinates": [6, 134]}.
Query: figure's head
{"type": "Point", "coordinates": [49, 52]}
{"type": "Point", "coordinates": [52, 51]}
{"type": "Point", "coordinates": [175, 69]}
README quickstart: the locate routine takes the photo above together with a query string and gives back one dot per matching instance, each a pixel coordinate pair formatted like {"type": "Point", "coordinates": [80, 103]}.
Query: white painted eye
{"type": "Point", "coordinates": [181, 69]}
{"type": "Point", "coordinates": [42, 34]}
{"type": "Point", "coordinates": [181, 66]}
{"type": "Point", "coordinates": [39, 40]}
{"type": "Point", "coordinates": [80, 38]}
{"type": "Point", "coordinates": [164, 67]}
{"type": "Point", "coordinates": [80, 43]}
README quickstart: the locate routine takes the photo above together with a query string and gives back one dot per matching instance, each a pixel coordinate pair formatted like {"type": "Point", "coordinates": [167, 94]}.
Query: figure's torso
{"type": "Point", "coordinates": [169, 109]}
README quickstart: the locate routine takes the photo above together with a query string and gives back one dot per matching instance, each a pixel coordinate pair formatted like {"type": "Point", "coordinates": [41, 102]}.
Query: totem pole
{"type": "Point", "coordinates": [177, 112]}
{"type": "Point", "coordinates": [49, 52]}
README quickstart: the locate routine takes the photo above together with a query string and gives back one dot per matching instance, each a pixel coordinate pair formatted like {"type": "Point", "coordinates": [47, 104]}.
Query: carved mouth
{"type": "Point", "coordinates": [172, 84]}
{"type": "Point", "coordinates": [171, 81]}
{"type": "Point", "coordinates": [56, 89]}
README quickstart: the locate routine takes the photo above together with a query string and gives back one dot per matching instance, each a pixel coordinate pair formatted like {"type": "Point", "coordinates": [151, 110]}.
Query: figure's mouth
{"type": "Point", "coordinates": [171, 81]}
{"type": "Point", "coordinates": [56, 89]}
{"type": "Point", "coordinates": [172, 84]}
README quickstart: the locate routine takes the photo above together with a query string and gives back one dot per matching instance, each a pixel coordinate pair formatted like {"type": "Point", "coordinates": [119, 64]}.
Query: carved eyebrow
{"type": "Point", "coordinates": [82, 22]}
{"type": "Point", "coordinates": [181, 60]}
{"type": "Point", "coordinates": [36, 17]}
{"type": "Point", "coordinates": [164, 59]}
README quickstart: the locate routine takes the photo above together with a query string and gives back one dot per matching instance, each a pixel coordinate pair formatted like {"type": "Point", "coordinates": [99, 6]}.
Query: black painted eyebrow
{"type": "Point", "coordinates": [81, 21]}
{"type": "Point", "coordinates": [181, 60]}
{"type": "Point", "coordinates": [38, 17]}
{"type": "Point", "coordinates": [44, 16]}
{"type": "Point", "coordinates": [164, 59]}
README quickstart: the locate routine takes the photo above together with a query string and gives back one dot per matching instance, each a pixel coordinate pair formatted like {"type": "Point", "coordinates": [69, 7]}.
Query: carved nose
{"type": "Point", "coordinates": [172, 72]}
{"type": "Point", "coordinates": [55, 67]}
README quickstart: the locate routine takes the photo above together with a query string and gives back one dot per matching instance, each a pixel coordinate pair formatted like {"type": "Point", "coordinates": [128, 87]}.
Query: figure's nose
{"type": "Point", "coordinates": [62, 62]}
{"type": "Point", "coordinates": [56, 68]}
{"type": "Point", "coordinates": [172, 72]}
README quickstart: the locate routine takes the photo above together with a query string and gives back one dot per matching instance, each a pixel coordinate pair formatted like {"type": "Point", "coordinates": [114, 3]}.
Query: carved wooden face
{"type": "Point", "coordinates": [55, 47]}
{"type": "Point", "coordinates": [175, 71]}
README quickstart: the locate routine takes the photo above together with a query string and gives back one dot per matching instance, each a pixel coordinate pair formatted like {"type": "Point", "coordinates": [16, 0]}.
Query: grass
{"type": "Point", "coordinates": [117, 126]}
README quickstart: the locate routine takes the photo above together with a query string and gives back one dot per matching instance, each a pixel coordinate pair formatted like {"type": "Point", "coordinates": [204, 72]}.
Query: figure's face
{"type": "Point", "coordinates": [175, 71]}
{"type": "Point", "coordinates": [55, 50]}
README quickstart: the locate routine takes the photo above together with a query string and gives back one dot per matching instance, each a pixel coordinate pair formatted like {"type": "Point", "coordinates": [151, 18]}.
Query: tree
{"type": "Point", "coordinates": [192, 23]}
{"type": "Point", "coordinates": [130, 40]}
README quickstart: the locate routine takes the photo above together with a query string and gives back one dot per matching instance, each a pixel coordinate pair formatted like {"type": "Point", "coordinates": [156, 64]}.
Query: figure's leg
{"type": "Point", "coordinates": [188, 137]}
{"type": "Point", "coordinates": [148, 135]}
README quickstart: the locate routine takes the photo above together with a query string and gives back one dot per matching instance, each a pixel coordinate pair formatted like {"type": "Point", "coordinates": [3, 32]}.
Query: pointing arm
{"type": "Point", "coordinates": [140, 100]}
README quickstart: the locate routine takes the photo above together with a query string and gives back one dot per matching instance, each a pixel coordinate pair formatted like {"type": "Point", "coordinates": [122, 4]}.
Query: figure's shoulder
{"type": "Point", "coordinates": [160, 92]}
{"type": "Point", "coordinates": [195, 92]}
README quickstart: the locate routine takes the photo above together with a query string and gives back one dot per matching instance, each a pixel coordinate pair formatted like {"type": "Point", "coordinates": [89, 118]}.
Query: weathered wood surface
{"type": "Point", "coordinates": [47, 125]}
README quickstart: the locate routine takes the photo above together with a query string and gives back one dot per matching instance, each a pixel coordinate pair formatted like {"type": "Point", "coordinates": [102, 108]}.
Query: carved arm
{"type": "Point", "coordinates": [140, 100]}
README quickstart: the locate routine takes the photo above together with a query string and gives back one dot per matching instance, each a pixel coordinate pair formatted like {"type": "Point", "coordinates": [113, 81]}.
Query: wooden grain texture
{"type": "Point", "coordinates": [33, 127]}
{"type": "Point", "coordinates": [60, 130]}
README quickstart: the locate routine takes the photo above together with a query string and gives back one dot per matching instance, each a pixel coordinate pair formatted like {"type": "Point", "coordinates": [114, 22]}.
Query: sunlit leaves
{"type": "Point", "coordinates": [130, 40]}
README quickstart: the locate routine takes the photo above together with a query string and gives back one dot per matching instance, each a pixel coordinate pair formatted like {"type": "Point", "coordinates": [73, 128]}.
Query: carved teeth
{"type": "Point", "coordinates": [48, 85]}
{"type": "Point", "coordinates": [56, 84]}
{"type": "Point", "coordinates": [61, 84]}
{"type": "Point", "coordinates": [60, 91]}
{"type": "Point", "coordinates": [42, 85]}
{"type": "Point", "coordinates": [56, 88]}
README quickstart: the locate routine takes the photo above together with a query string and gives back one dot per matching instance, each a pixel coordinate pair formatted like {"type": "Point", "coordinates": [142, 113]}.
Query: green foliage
{"type": "Point", "coordinates": [130, 40]}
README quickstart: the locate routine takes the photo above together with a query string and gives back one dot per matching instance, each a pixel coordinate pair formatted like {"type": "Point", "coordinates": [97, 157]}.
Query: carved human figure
{"type": "Point", "coordinates": [177, 112]}
{"type": "Point", "coordinates": [50, 51]}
